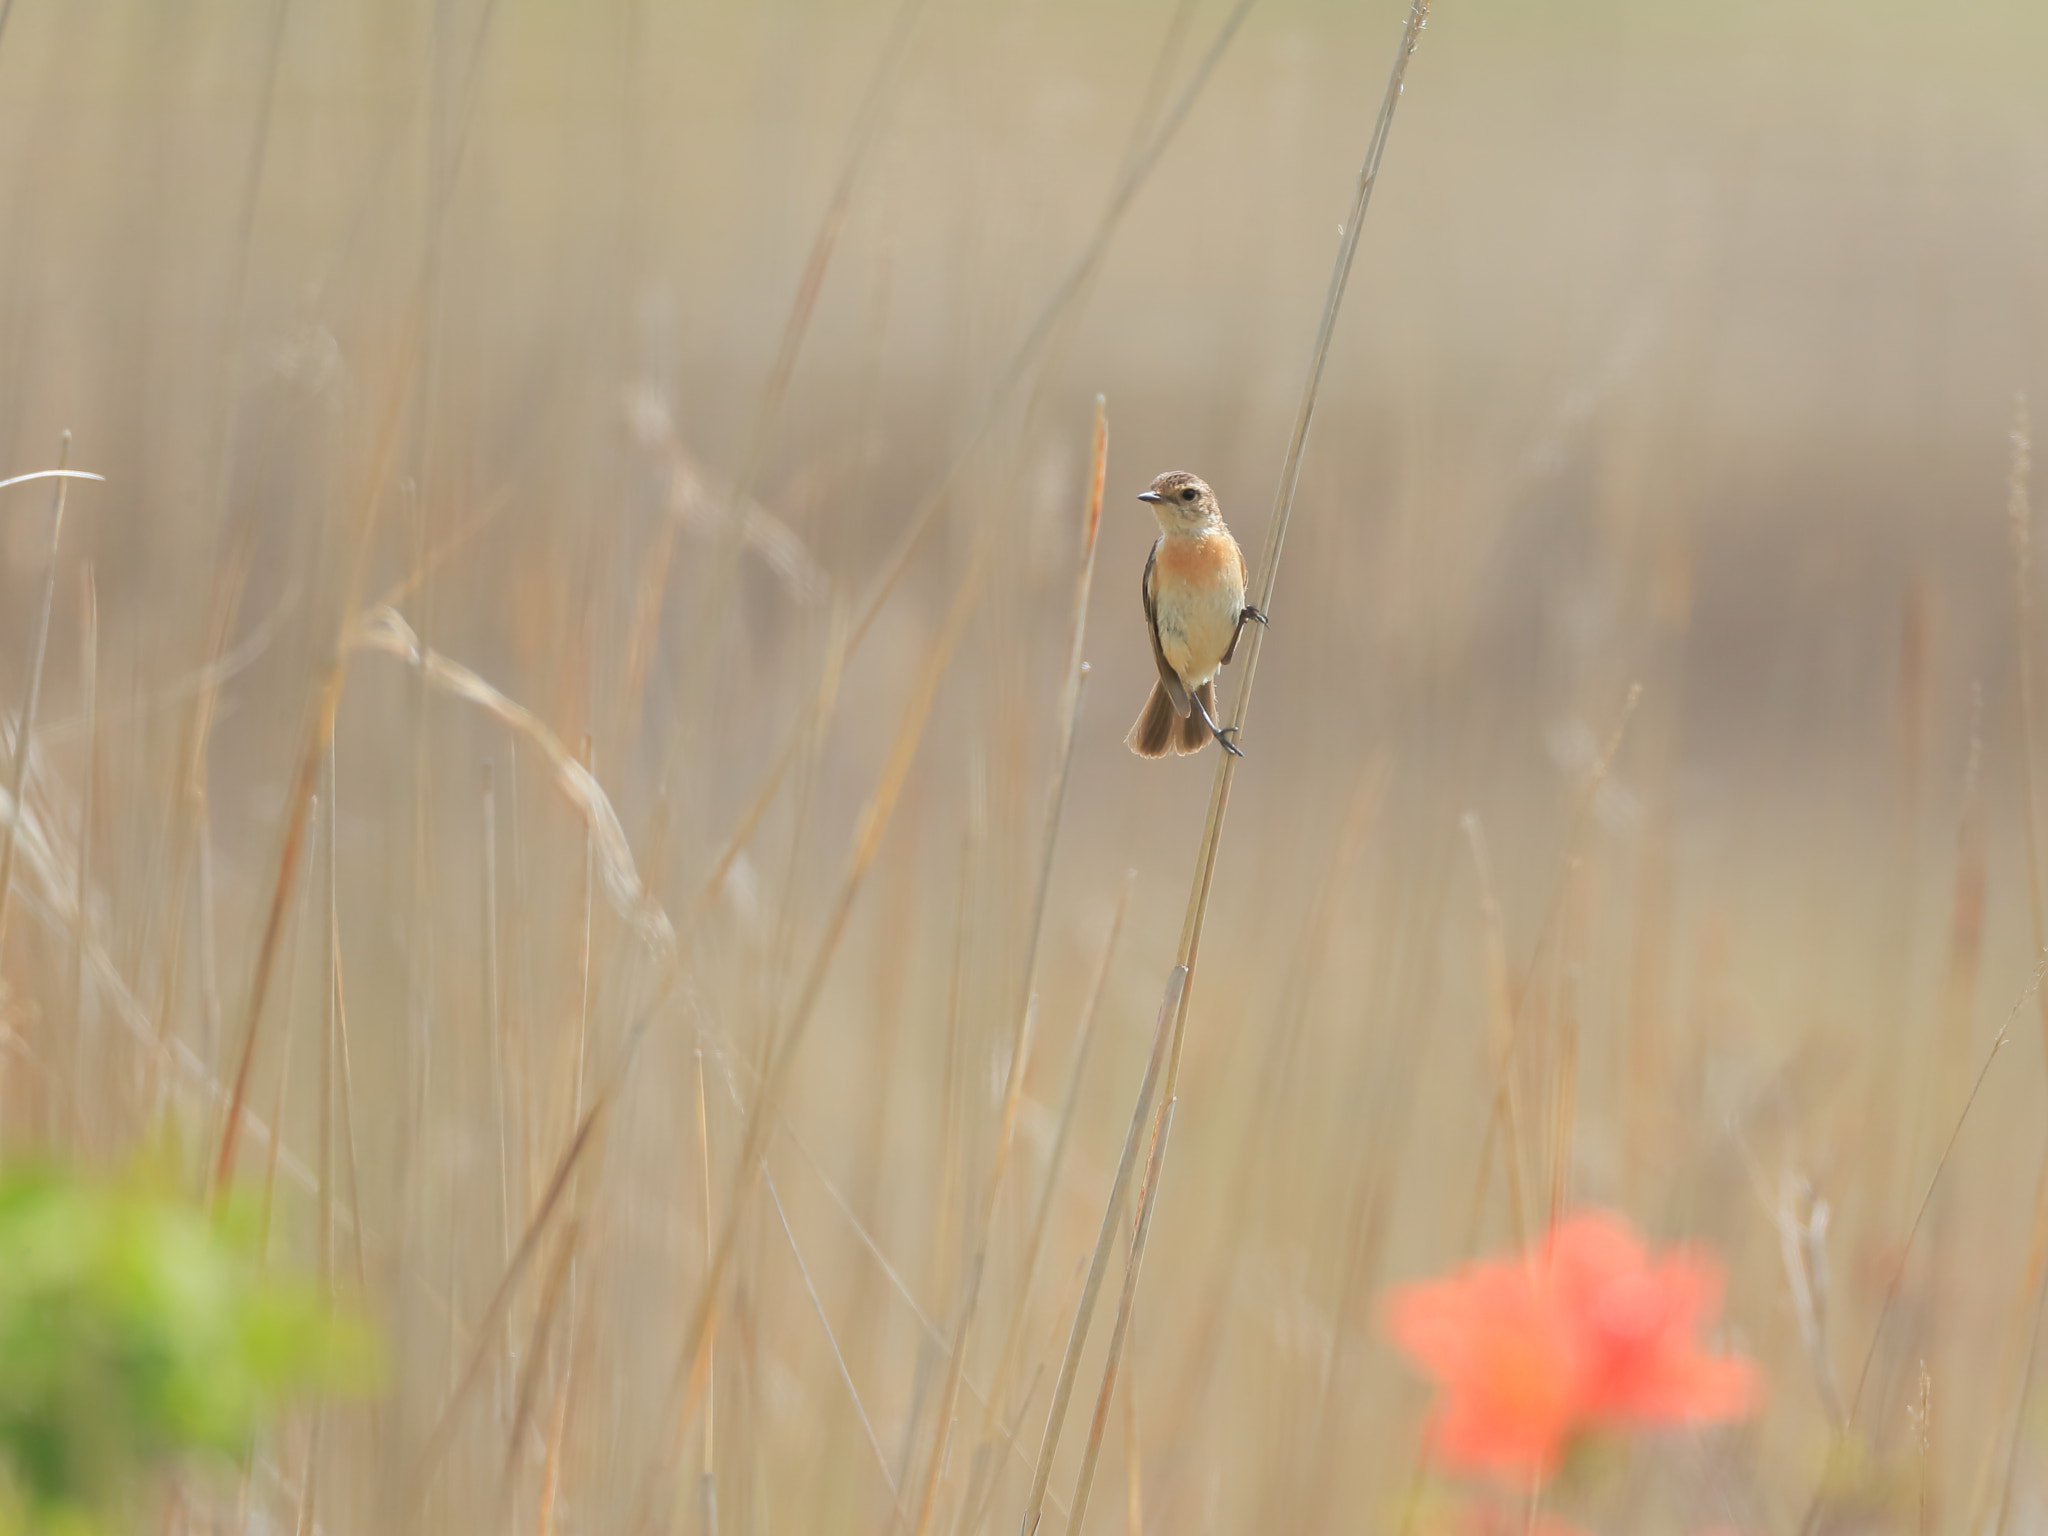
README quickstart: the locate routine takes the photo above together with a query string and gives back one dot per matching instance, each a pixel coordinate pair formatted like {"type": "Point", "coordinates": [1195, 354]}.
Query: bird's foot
{"type": "Point", "coordinates": [1252, 613]}
{"type": "Point", "coordinates": [1222, 733]}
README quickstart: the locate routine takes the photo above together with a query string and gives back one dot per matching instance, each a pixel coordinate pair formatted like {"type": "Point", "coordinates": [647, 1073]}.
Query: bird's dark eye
{"type": "Point", "coordinates": [1188, 494]}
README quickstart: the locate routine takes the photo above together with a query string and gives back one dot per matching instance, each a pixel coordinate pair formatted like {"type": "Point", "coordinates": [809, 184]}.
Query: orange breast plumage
{"type": "Point", "coordinates": [1197, 594]}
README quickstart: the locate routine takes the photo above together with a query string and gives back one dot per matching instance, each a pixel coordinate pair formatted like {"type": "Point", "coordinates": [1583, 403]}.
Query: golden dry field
{"type": "Point", "coordinates": [555, 767]}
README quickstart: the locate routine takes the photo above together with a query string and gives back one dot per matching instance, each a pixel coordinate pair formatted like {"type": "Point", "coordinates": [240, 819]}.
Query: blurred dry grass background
{"type": "Point", "coordinates": [1682, 351]}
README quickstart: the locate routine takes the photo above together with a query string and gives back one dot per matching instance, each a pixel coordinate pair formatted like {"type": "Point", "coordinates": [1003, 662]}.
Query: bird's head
{"type": "Point", "coordinates": [1181, 502]}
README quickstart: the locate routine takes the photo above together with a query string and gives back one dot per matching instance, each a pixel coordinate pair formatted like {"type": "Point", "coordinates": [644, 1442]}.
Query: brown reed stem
{"type": "Point", "coordinates": [327, 696]}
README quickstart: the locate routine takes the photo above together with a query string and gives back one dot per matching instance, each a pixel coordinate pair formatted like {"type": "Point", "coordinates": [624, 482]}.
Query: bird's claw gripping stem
{"type": "Point", "coordinates": [1222, 733]}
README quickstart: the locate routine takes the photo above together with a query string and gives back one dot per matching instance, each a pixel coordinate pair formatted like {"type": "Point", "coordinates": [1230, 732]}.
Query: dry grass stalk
{"type": "Point", "coordinates": [1897, 1278]}
{"type": "Point", "coordinates": [860, 141]}
{"type": "Point", "coordinates": [385, 631]}
{"type": "Point", "coordinates": [738, 522]}
{"type": "Point", "coordinates": [420, 1484]}
{"type": "Point", "coordinates": [284, 1069]}
{"type": "Point", "coordinates": [1467, 616]}
{"type": "Point", "coordinates": [1276, 534]}
{"type": "Point", "coordinates": [874, 821]}
{"type": "Point", "coordinates": [1071, 692]}
{"type": "Point", "coordinates": [691, 501]}
{"type": "Point", "coordinates": [1198, 900]}
{"type": "Point", "coordinates": [1503, 1129]}
{"type": "Point", "coordinates": [974, 1508]}
{"type": "Point", "coordinates": [1098, 1263]}
{"type": "Point", "coordinates": [188, 817]}
{"type": "Point", "coordinates": [558, 1432]}
{"type": "Point", "coordinates": [326, 695]}
{"type": "Point", "coordinates": [977, 1266]}
{"type": "Point", "coordinates": [708, 1472]}
{"type": "Point", "coordinates": [2016, 1364]}
{"type": "Point", "coordinates": [1181, 1404]}
{"type": "Point", "coordinates": [985, 1399]}
{"type": "Point", "coordinates": [1148, 1193]}
{"type": "Point", "coordinates": [50, 893]}
{"type": "Point", "coordinates": [1571, 973]}
{"type": "Point", "coordinates": [1045, 324]}
{"type": "Point", "coordinates": [1589, 796]}
{"type": "Point", "coordinates": [2019, 518]}
{"type": "Point", "coordinates": [2026, 1373]}
{"type": "Point", "coordinates": [344, 1067]}
{"type": "Point", "coordinates": [838, 1355]}
{"type": "Point", "coordinates": [52, 474]}
{"type": "Point", "coordinates": [83, 1046]}
{"type": "Point", "coordinates": [1016, 369]}
{"type": "Point", "coordinates": [1134, 1464]}
{"type": "Point", "coordinates": [305, 1520]}
{"type": "Point", "coordinates": [815, 718]}
{"type": "Point", "coordinates": [188, 793]}
{"type": "Point", "coordinates": [25, 722]}
{"type": "Point", "coordinates": [539, 1350]}
{"type": "Point", "coordinates": [1966, 918]}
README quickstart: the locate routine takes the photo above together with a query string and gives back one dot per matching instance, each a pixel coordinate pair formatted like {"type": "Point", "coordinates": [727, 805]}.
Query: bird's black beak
{"type": "Point", "coordinates": [1152, 496]}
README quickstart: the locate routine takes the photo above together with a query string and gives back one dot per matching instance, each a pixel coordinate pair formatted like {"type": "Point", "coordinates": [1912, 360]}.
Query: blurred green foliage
{"type": "Point", "coordinates": [136, 1329]}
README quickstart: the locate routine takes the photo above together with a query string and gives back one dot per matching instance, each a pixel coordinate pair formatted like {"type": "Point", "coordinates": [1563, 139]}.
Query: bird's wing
{"type": "Point", "coordinates": [1176, 690]}
{"type": "Point", "coordinates": [1244, 582]}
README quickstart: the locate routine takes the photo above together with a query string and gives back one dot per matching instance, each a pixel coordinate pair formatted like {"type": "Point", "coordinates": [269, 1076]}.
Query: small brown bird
{"type": "Point", "coordinates": [1195, 610]}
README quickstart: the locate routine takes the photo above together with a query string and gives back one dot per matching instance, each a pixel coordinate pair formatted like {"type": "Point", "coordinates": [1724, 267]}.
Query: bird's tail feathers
{"type": "Point", "coordinates": [1153, 735]}
{"type": "Point", "coordinates": [1161, 729]}
{"type": "Point", "coordinates": [1194, 731]}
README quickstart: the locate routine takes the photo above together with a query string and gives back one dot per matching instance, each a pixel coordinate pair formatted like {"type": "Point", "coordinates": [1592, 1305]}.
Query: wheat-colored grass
{"type": "Point", "coordinates": [569, 744]}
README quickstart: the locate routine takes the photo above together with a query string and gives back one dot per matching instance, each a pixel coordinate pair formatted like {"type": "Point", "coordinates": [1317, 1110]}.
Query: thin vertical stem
{"type": "Point", "coordinates": [1017, 368]}
{"type": "Point", "coordinates": [25, 723]}
{"type": "Point", "coordinates": [1283, 510]}
{"type": "Point", "coordinates": [1505, 1127]}
{"type": "Point", "coordinates": [88, 665]}
{"type": "Point", "coordinates": [1055, 1163]}
{"type": "Point", "coordinates": [2019, 1413]}
{"type": "Point", "coordinates": [1147, 1202]}
{"type": "Point", "coordinates": [209, 931]}
{"type": "Point", "coordinates": [1098, 1265]}
{"type": "Point", "coordinates": [708, 1477]}
{"type": "Point", "coordinates": [324, 1244]}
{"type": "Point", "coordinates": [345, 1074]}
{"type": "Point", "coordinates": [1198, 899]}
{"type": "Point", "coordinates": [494, 1014]}
{"type": "Point", "coordinates": [1134, 1463]}
{"type": "Point", "coordinates": [551, 1469]}
{"type": "Point", "coordinates": [2019, 517]}
{"type": "Point", "coordinates": [296, 943]}
{"type": "Point", "coordinates": [1070, 710]}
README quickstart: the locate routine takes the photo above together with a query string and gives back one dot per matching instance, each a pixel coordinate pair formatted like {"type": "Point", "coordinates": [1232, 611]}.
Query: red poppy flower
{"type": "Point", "coordinates": [1588, 1331]}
